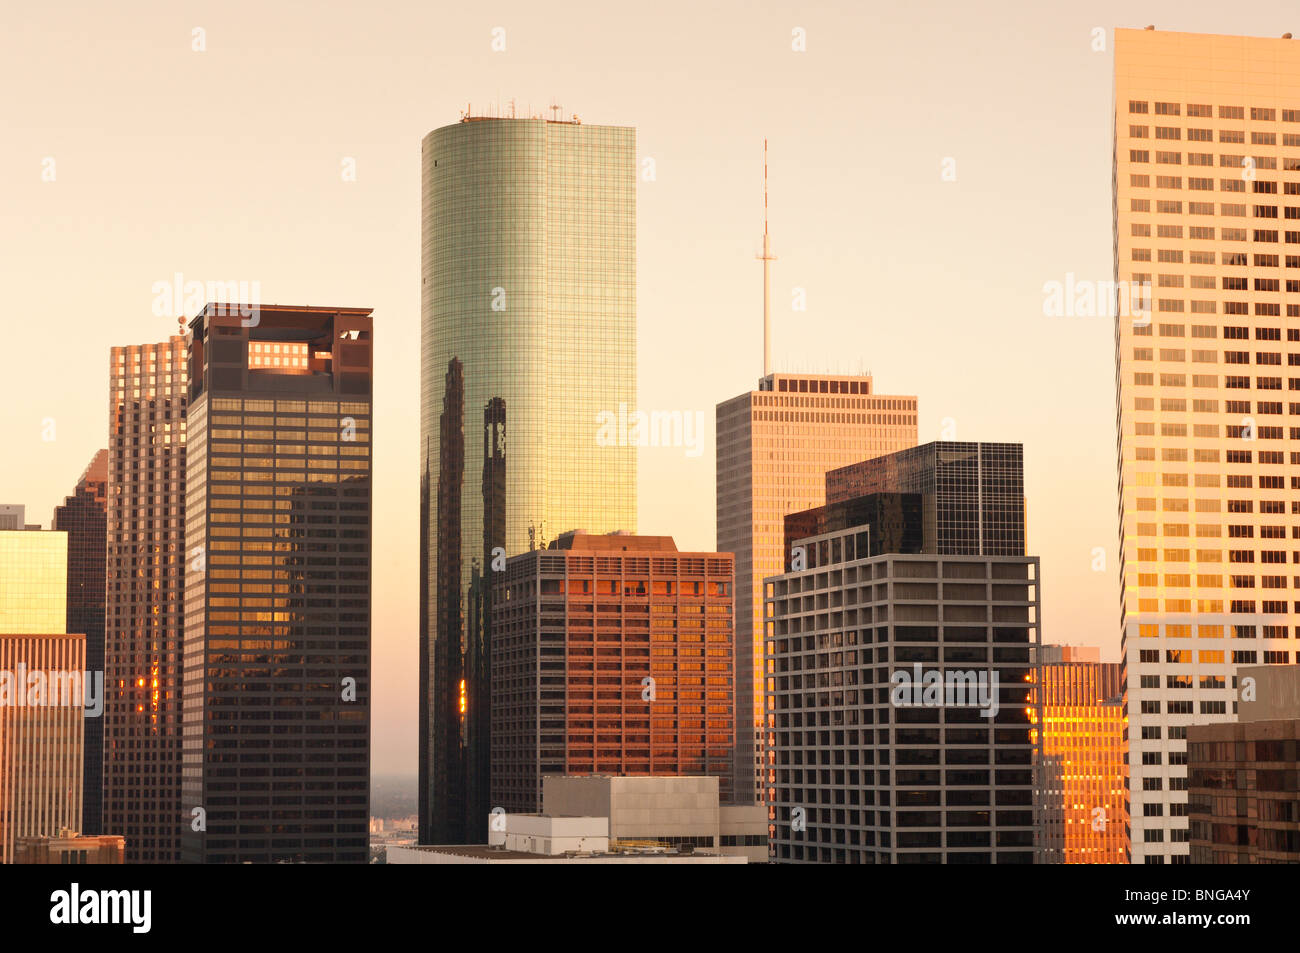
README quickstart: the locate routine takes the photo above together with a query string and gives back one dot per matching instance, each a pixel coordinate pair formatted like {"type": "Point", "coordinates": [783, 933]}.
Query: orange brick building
{"type": "Point", "coordinates": [611, 655]}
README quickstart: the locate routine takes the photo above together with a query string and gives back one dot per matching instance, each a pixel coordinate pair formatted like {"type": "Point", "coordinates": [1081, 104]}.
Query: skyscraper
{"type": "Point", "coordinates": [775, 445]}
{"type": "Point", "coordinates": [1079, 797]}
{"type": "Point", "coordinates": [1207, 214]}
{"type": "Point", "coordinates": [41, 691]}
{"type": "Point", "coordinates": [145, 558]}
{"type": "Point", "coordinates": [83, 516]}
{"type": "Point", "coordinates": [611, 655]}
{"type": "Point", "coordinates": [898, 673]}
{"type": "Point", "coordinates": [528, 309]}
{"type": "Point", "coordinates": [277, 590]}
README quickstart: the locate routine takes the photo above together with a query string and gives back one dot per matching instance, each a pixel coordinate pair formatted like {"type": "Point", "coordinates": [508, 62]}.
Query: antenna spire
{"type": "Point", "coordinates": [766, 258]}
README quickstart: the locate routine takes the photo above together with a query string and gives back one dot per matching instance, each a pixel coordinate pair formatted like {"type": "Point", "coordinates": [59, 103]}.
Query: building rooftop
{"type": "Point", "coordinates": [484, 852]}
{"type": "Point", "coordinates": [580, 539]}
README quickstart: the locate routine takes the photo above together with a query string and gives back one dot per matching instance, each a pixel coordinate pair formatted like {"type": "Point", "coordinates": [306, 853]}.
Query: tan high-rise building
{"type": "Point", "coordinates": [1207, 214]}
{"type": "Point", "coordinates": [41, 691]}
{"type": "Point", "coordinates": [143, 623]}
{"type": "Point", "coordinates": [775, 445]}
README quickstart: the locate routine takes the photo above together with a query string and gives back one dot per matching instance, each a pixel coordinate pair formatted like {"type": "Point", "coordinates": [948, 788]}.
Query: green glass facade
{"type": "Point", "coordinates": [528, 336]}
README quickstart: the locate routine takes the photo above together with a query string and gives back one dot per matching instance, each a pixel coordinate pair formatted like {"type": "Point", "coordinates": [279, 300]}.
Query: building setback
{"type": "Point", "coordinates": [774, 446]}
{"type": "Point", "coordinates": [145, 559]}
{"type": "Point", "coordinates": [610, 655]}
{"type": "Point", "coordinates": [277, 597]}
{"type": "Point", "coordinates": [898, 695]}
{"type": "Point", "coordinates": [528, 313]}
{"type": "Point", "coordinates": [1207, 256]}
{"type": "Point", "coordinates": [1080, 799]}
{"type": "Point", "coordinates": [84, 517]}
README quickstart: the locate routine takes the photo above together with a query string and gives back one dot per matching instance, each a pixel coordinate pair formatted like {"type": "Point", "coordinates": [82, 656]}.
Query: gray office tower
{"type": "Point", "coordinates": [899, 641]}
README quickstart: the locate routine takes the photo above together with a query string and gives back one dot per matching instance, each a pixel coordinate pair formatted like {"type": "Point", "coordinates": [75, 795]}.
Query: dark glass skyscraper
{"type": "Point", "coordinates": [973, 493]}
{"type": "Point", "coordinates": [528, 308]}
{"type": "Point", "coordinates": [277, 592]}
{"type": "Point", "coordinates": [84, 517]}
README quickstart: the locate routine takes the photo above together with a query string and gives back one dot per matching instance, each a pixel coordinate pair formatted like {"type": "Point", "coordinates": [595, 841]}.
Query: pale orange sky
{"type": "Point", "coordinates": [226, 165]}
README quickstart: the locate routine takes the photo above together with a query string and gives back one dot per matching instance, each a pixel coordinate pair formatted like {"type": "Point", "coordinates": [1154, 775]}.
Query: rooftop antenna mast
{"type": "Point", "coordinates": [766, 258]}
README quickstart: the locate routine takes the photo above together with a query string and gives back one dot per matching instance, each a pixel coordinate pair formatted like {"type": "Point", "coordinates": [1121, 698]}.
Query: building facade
{"type": "Point", "coordinates": [611, 655]}
{"type": "Point", "coordinates": [145, 568]}
{"type": "Point", "coordinates": [84, 517]}
{"type": "Point", "coordinates": [774, 446]}
{"type": "Point", "coordinates": [70, 848]}
{"type": "Point", "coordinates": [899, 699]}
{"type": "Point", "coordinates": [863, 769]}
{"type": "Point", "coordinates": [973, 493]}
{"type": "Point", "coordinates": [1079, 799]}
{"type": "Point", "coordinates": [1244, 786]}
{"type": "Point", "coordinates": [528, 323]}
{"type": "Point", "coordinates": [1207, 259]}
{"type": "Point", "coordinates": [41, 691]}
{"type": "Point", "coordinates": [678, 813]}
{"type": "Point", "coordinates": [277, 595]}
{"type": "Point", "coordinates": [14, 516]}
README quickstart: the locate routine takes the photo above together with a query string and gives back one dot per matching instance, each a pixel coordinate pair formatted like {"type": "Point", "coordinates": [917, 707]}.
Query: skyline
{"type": "Point", "coordinates": [707, 288]}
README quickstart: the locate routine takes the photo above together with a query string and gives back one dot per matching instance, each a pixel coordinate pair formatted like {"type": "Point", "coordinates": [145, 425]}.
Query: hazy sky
{"type": "Point", "coordinates": [227, 164]}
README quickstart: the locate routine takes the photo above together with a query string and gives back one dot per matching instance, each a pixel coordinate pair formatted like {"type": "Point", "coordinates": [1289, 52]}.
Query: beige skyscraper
{"type": "Point", "coordinates": [775, 445]}
{"type": "Point", "coordinates": [1207, 213]}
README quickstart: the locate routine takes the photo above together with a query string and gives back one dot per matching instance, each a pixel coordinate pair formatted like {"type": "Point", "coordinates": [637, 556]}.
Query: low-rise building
{"type": "Point", "coordinates": [70, 848]}
{"type": "Point", "coordinates": [1244, 776]}
{"type": "Point", "coordinates": [605, 819]}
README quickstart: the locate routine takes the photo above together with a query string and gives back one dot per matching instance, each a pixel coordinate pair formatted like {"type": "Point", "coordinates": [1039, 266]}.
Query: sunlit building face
{"type": "Point", "coordinates": [612, 655]}
{"type": "Point", "coordinates": [775, 446]}
{"type": "Point", "coordinates": [277, 587]}
{"type": "Point", "coordinates": [1080, 800]}
{"type": "Point", "coordinates": [145, 557]}
{"type": "Point", "coordinates": [1207, 214]}
{"type": "Point", "coordinates": [41, 692]}
{"type": "Point", "coordinates": [528, 342]}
